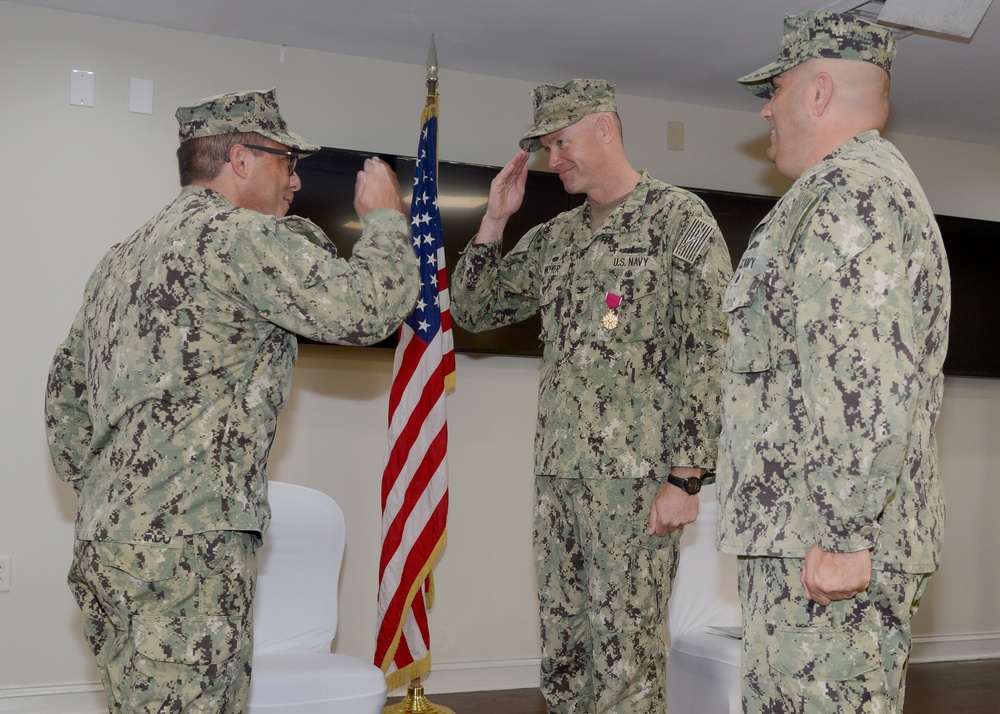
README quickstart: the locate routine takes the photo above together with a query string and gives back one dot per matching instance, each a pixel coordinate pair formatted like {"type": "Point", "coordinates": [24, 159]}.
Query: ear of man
{"type": "Point", "coordinates": [823, 86]}
{"type": "Point", "coordinates": [238, 161]}
{"type": "Point", "coordinates": [605, 127]}
{"type": "Point", "coordinates": [855, 92]}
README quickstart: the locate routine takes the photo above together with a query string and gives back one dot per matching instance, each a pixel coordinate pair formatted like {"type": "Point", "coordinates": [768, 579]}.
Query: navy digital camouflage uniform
{"type": "Point", "coordinates": [838, 328]}
{"type": "Point", "coordinates": [161, 409]}
{"type": "Point", "coordinates": [617, 408]}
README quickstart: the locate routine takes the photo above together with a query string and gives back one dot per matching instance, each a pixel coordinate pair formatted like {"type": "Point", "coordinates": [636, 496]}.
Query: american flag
{"type": "Point", "coordinates": [415, 480]}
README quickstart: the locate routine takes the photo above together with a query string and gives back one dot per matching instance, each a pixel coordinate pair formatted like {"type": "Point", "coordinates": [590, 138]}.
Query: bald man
{"type": "Point", "coordinates": [828, 480]}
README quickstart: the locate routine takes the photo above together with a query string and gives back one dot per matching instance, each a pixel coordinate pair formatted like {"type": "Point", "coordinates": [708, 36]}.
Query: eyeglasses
{"type": "Point", "coordinates": [293, 157]}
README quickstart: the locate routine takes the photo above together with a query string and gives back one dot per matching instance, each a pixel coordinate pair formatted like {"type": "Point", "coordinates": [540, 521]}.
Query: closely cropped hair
{"type": "Point", "coordinates": [201, 159]}
{"type": "Point", "coordinates": [618, 125]}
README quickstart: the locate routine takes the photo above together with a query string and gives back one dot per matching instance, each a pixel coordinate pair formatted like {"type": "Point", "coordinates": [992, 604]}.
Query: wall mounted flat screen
{"type": "Point", "coordinates": [327, 195]}
{"type": "Point", "coordinates": [973, 248]}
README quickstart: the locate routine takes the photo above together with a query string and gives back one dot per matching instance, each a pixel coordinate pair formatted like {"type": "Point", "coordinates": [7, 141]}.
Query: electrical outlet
{"type": "Point", "coordinates": [4, 573]}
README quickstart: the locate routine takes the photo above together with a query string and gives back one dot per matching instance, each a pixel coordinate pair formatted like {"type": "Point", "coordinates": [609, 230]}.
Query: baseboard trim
{"type": "Point", "coordinates": [83, 698]}
{"type": "Point", "coordinates": [489, 676]}
{"type": "Point", "coordinates": [955, 648]}
{"type": "Point", "coordinates": [446, 678]}
{"type": "Point", "coordinates": [450, 677]}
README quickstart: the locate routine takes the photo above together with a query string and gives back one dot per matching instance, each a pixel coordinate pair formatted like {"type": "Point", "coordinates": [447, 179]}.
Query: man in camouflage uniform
{"type": "Point", "coordinates": [162, 403]}
{"type": "Point", "coordinates": [838, 326]}
{"type": "Point", "coordinates": [629, 287]}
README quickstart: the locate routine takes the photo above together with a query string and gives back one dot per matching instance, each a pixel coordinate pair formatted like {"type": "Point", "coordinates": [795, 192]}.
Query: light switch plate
{"type": "Point", "coordinates": [140, 96]}
{"type": "Point", "coordinates": [81, 88]}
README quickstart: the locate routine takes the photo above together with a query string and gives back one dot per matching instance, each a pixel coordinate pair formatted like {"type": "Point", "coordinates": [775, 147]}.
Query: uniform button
{"type": "Point", "coordinates": [866, 530]}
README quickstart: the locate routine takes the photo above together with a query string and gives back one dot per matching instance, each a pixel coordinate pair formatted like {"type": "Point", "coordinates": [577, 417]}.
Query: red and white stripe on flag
{"type": "Point", "coordinates": [415, 479]}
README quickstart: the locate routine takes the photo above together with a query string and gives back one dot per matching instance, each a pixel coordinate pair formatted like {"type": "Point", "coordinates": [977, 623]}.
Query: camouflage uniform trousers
{"type": "Point", "coordinates": [798, 656]}
{"type": "Point", "coordinates": [603, 585]}
{"type": "Point", "coordinates": [171, 625]}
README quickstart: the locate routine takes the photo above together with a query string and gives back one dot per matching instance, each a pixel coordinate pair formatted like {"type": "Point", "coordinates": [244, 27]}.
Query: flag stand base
{"type": "Point", "coordinates": [416, 703]}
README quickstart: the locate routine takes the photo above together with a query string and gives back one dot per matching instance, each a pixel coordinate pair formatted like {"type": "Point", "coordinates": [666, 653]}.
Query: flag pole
{"type": "Point", "coordinates": [415, 702]}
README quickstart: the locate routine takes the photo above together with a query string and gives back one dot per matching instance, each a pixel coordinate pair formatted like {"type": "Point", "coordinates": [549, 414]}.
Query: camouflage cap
{"type": "Point", "coordinates": [556, 106]}
{"type": "Point", "coordinates": [239, 112]}
{"type": "Point", "coordinates": [815, 34]}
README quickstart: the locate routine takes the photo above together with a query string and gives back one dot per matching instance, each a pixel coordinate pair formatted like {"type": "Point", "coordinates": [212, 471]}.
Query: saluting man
{"type": "Point", "coordinates": [629, 288]}
{"type": "Point", "coordinates": [162, 402]}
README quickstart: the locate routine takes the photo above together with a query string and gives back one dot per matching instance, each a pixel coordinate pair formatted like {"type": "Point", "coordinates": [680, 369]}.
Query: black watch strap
{"type": "Point", "coordinates": [691, 485]}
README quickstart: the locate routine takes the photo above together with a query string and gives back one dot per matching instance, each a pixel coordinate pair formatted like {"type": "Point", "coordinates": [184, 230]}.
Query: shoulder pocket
{"type": "Point", "coordinates": [749, 345]}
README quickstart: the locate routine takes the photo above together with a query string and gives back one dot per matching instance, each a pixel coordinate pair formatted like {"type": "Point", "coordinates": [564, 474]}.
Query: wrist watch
{"type": "Point", "coordinates": [691, 485]}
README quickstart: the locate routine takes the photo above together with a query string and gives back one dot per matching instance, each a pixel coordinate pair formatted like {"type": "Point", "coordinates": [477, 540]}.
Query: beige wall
{"type": "Point", "coordinates": [75, 180]}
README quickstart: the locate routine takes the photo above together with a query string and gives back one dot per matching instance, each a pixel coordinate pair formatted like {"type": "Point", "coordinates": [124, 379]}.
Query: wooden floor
{"type": "Point", "coordinates": [933, 688]}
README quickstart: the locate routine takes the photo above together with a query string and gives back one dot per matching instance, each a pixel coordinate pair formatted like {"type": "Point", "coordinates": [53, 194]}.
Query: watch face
{"type": "Point", "coordinates": [693, 486]}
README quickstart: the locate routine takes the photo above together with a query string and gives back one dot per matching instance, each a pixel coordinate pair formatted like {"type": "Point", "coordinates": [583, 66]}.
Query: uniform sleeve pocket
{"type": "Point", "coordinates": [749, 347]}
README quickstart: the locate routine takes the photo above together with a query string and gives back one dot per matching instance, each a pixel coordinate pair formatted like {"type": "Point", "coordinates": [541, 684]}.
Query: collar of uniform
{"type": "Point", "coordinates": [865, 137]}
{"type": "Point", "coordinates": [625, 219]}
{"type": "Point", "coordinates": [857, 142]}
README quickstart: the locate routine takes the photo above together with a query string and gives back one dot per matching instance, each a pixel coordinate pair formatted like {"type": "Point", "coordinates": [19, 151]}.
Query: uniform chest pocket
{"type": "Point", "coordinates": [633, 311]}
{"type": "Point", "coordinates": [749, 345]}
{"type": "Point", "coordinates": [624, 306]}
{"type": "Point", "coordinates": [555, 291]}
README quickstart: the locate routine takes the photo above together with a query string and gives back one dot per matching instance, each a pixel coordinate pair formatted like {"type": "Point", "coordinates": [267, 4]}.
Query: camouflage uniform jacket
{"type": "Point", "coordinates": [162, 403]}
{"type": "Point", "coordinates": [838, 327]}
{"type": "Point", "coordinates": [631, 401]}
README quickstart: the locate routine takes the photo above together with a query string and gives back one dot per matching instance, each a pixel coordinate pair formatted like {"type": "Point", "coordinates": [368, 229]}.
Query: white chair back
{"type": "Point", "coordinates": [705, 590]}
{"type": "Point", "coordinates": [295, 614]}
{"type": "Point", "coordinates": [296, 601]}
{"type": "Point", "coordinates": [703, 668]}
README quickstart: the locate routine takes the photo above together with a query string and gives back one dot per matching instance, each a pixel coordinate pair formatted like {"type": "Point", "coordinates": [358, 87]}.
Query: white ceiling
{"type": "Point", "coordinates": [687, 51]}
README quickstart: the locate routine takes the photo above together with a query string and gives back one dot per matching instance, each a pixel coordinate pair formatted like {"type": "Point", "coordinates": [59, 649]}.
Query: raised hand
{"type": "Point", "coordinates": [377, 187]}
{"type": "Point", "coordinates": [506, 195]}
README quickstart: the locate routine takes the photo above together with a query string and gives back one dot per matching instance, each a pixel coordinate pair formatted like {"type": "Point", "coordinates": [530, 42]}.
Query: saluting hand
{"type": "Point", "coordinates": [506, 195]}
{"type": "Point", "coordinates": [377, 187]}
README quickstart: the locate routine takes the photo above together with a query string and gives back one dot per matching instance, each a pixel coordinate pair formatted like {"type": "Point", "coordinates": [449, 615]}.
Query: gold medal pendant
{"type": "Point", "coordinates": [610, 320]}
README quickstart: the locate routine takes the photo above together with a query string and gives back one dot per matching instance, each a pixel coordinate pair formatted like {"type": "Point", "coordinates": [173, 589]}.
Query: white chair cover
{"type": "Point", "coordinates": [295, 614]}
{"type": "Point", "coordinates": [703, 668]}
